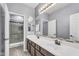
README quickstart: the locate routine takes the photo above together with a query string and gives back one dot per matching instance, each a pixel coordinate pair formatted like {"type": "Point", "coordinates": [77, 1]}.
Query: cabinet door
{"type": "Point", "coordinates": [28, 46]}
{"type": "Point", "coordinates": [45, 52]}
{"type": "Point", "coordinates": [38, 53]}
{"type": "Point", "coordinates": [33, 44]}
{"type": "Point", "coordinates": [38, 47]}
{"type": "Point", "coordinates": [32, 51]}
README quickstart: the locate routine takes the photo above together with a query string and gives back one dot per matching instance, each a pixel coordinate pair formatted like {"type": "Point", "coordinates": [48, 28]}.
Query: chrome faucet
{"type": "Point", "coordinates": [57, 42]}
{"type": "Point", "coordinates": [37, 36]}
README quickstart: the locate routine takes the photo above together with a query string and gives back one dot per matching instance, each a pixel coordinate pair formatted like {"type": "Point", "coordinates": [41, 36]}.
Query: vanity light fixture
{"type": "Point", "coordinates": [45, 7]}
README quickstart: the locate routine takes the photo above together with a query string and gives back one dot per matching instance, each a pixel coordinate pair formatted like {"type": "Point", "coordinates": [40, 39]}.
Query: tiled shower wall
{"type": "Point", "coordinates": [16, 32]}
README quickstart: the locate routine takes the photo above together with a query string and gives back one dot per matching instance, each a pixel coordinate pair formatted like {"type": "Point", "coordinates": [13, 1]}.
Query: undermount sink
{"type": "Point", "coordinates": [75, 41]}
{"type": "Point", "coordinates": [69, 41]}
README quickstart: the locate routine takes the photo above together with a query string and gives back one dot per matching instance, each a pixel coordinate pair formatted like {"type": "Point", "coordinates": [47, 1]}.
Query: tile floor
{"type": "Point", "coordinates": [18, 51]}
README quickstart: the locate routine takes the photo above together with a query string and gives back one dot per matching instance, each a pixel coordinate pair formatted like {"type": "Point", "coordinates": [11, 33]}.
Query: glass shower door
{"type": "Point", "coordinates": [16, 32]}
{"type": "Point", "coordinates": [16, 28]}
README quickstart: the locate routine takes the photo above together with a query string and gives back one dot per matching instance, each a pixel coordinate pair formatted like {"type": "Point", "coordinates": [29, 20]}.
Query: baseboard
{"type": "Point", "coordinates": [16, 44]}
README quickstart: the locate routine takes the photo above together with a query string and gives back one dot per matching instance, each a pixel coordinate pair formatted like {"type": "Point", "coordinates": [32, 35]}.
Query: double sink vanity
{"type": "Point", "coordinates": [45, 46]}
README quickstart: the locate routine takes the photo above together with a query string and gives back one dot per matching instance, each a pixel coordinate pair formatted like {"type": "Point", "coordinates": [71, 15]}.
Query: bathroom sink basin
{"type": "Point", "coordinates": [69, 41]}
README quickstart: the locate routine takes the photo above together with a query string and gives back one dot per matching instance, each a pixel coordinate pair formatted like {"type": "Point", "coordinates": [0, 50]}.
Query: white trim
{"type": "Point", "coordinates": [16, 13]}
{"type": "Point", "coordinates": [24, 29]}
{"type": "Point", "coordinates": [7, 18]}
{"type": "Point", "coordinates": [7, 47]}
{"type": "Point", "coordinates": [16, 44]}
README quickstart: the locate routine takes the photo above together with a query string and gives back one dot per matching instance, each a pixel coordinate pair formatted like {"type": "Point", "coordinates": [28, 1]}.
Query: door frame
{"type": "Point", "coordinates": [24, 46]}
{"type": "Point", "coordinates": [7, 18]}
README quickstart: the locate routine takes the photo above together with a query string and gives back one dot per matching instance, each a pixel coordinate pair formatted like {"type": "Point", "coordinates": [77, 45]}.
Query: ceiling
{"type": "Point", "coordinates": [56, 7]}
{"type": "Point", "coordinates": [32, 5]}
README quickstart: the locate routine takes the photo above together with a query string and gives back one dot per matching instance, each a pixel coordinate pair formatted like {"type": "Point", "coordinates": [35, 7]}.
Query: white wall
{"type": "Point", "coordinates": [52, 28]}
{"type": "Point", "coordinates": [74, 26]}
{"type": "Point", "coordinates": [7, 18]}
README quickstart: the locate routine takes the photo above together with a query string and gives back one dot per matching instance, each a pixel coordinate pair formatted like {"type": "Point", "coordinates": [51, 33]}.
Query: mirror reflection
{"type": "Point", "coordinates": [61, 28]}
{"type": "Point", "coordinates": [52, 28]}
{"type": "Point", "coordinates": [30, 24]}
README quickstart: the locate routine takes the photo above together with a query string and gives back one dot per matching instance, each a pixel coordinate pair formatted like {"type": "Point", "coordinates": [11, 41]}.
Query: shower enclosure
{"type": "Point", "coordinates": [16, 29]}
{"type": "Point", "coordinates": [16, 32]}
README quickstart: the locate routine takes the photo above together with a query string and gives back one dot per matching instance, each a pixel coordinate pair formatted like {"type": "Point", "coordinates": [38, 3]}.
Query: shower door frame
{"type": "Point", "coordinates": [17, 44]}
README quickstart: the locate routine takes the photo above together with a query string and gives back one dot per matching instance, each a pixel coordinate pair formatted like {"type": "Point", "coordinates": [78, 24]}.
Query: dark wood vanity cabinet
{"type": "Point", "coordinates": [38, 53]}
{"type": "Point", "coordinates": [45, 52]}
{"type": "Point", "coordinates": [36, 50]}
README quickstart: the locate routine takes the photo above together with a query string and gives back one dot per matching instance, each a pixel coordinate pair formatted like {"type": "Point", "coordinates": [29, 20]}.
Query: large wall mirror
{"type": "Point", "coordinates": [46, 27]}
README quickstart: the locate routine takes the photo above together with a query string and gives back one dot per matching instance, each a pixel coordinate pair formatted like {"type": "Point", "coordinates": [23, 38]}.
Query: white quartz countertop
{"type": "Point", "coordinates": [49, 45]}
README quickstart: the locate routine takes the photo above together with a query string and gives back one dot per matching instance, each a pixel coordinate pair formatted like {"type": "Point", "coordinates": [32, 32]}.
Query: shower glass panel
{"type": "Point", "coordinates": [16, 29]}
{"type": "Point", "coordinates": [16, 32]}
